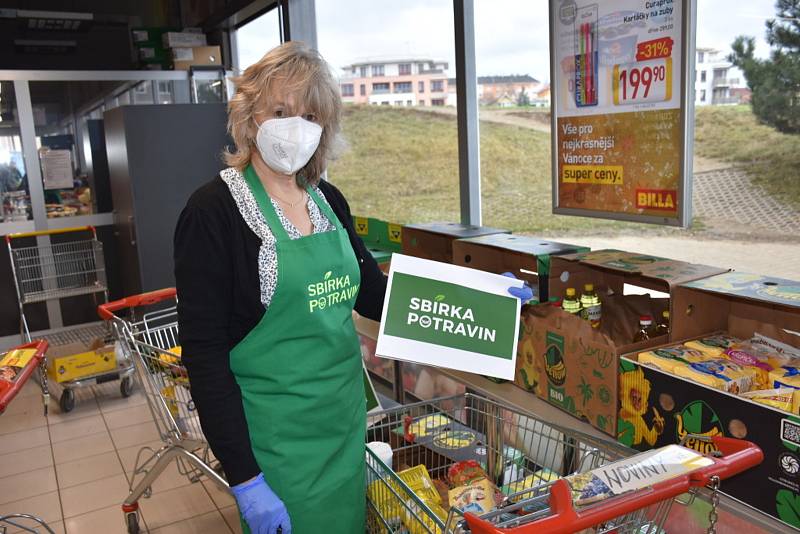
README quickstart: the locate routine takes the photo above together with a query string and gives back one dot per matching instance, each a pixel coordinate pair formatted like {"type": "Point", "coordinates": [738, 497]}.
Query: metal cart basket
{"type": "Point", "coordinates": [526, 457]}
{"type": "Point", "coordinates": [146, 325]}
{"type": "Point", "coordinates": [22, 522]}
{"type": "Point", "coordinates": [56, 264]}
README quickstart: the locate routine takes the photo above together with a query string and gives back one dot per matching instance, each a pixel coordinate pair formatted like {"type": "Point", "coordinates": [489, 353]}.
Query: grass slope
{"type": "Point", "coordinates": [733, 134]}
{"type": "Point", "coordinates": [402, 165]}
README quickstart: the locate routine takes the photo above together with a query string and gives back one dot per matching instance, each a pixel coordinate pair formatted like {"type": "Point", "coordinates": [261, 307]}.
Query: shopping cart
{"type": "Point", "coordinates": [55, 264]}
{"type": "Point", "coordinates": [147, 328]}
{"type": "Point", "coordinates": [16, 368]}
{"type": "Point", "coordinates": [526, 457]}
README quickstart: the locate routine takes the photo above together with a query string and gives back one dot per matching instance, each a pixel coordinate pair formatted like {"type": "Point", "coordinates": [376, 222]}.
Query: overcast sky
{"type": "Point", "coordinates": [511, 35]}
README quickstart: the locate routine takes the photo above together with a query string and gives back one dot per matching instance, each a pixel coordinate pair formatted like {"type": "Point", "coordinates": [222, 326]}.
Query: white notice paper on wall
{"type": "Point", "coordinates": [450, 316]}
{"type": "Point", "coordinates": [56, 168]}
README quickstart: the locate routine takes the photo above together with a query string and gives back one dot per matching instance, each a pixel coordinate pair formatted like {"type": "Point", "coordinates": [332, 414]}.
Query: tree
{"type": "Point", "coordinates": [523, 99]}
{"type": "Point", "coordinates": [775, 82]}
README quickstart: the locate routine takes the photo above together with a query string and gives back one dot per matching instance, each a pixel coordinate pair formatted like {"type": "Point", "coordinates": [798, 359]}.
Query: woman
{"type": "Point", "coordinates": [268, 270]}
{"type": "Point", "coordinates": [263, 254]}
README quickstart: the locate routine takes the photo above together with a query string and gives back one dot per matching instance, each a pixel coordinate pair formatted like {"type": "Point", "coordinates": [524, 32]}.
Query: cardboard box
{"type": "Point", "coordinates": [434, 241]}
{"type": "Point", "coordinates": [610, 270]}
{"type": "Point", "coordinates": [77, 360]}
{"type": "Point", "coordinates": [566, 362]}
{"type": "Point", "coordinates": [380, 237]}
{"type": "Point", "coordinates": [183, 58]}
{"type": "Point", "coordinates": [153, 54]}
{"type": "Point", "coordinates": [183, 39]}
{"type": "Point", "coordinates": [149, 36]}
{"type": "Point", "coordinates": [657, 409]}
{"type": "Point", "coordinates": [528, 257]}
{"type": "Point", "coordinates": [574, 367]}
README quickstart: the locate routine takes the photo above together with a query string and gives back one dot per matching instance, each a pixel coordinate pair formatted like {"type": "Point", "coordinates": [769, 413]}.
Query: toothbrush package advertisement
{"type": "Point", "coordinates": [617, 94]}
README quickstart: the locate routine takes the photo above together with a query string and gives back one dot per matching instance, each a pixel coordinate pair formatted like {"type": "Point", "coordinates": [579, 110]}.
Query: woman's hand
{"type": "Point", "coordinates": [524, 293]}
{"type": "Point", "coordinates": [263, 511]}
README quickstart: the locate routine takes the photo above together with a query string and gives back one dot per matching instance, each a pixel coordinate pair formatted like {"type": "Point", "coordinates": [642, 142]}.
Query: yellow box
{"type": "Point", "coordinates": [65, 367]}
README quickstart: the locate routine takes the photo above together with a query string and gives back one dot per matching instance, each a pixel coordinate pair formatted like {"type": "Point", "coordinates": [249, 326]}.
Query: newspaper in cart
{"type": "Point", "coordinates": [634, 473]}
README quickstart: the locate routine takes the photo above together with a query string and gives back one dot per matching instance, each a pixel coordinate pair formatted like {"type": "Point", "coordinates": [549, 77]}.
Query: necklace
{"type": "Point", "coordinates": [290, 204]}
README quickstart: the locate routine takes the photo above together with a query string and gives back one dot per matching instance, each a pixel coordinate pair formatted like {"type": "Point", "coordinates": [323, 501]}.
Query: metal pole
{"type": "Point", "coordinates": [27, 131]}
{"type": "Point", "coordinates": [469, 160]}
{"type": "Point", "coordinates": [303, 22]}
{"type": "Point", "coordinates": [687, 118]}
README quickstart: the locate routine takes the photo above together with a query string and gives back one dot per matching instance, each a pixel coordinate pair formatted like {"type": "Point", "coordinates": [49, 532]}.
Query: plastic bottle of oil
{"type": "Point", "coordinates": [571, 304]}
{"type": "Point", "coordinates": [662, 327]}
{"type": "Point", "coordinates": [590, 306]}
{"type": "Point", "coordinates": [645, 327]}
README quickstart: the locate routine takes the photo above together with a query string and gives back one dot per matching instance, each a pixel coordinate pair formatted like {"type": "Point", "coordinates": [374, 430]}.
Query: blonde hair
{"type": "Point", "coordinates": [304, 73]}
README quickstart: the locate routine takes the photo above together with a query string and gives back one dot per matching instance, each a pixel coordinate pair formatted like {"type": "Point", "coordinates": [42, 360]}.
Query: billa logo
{"type": "Point", "coordinates": [554, 360]}
{"type": "Point", "coordinates": [699, 419]}
{"type": "Point", "coordinates": [395, 233]}
{"type": "Point", "coordinates": [656, 199]}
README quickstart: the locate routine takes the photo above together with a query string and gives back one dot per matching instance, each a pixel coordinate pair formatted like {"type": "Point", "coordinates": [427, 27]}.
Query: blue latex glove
{"type": "Point", "coordinates": [263, 511]}
{"type": "Point", "coordinates": [524, 293]}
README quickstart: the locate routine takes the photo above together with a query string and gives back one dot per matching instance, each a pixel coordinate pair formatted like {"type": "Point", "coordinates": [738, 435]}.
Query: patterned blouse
{"type": "Point", "coordinates": [248, 208]}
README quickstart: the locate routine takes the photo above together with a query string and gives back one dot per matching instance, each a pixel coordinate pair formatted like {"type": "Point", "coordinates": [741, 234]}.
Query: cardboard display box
{"type": "Point", "coordinates": [657, 408]}
{"type": "Point", "coordinates": [527, 257]}
{"type": "Point", "coordinates": [78, 360]}
{"type": "Point", "coordinates": [183, 58]}
{"type": "Point", "coordinates": [574, 367]}
{"type": "Point", "coordinates": [380, 237]}
{"type": "Point", "coordinates": [434, 241]}
{"type": "Point", "coordinates": [183, 39]}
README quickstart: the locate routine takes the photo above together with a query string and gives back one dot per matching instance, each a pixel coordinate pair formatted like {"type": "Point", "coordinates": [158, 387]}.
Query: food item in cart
{"type": "Point", "coordinates": [720, 374]}
{"type": "Point", "coordinates": [787, 376]}
{"type": "Point", "coordinates": [713, 345]}
{"type": "Point", "coordinates": [13, 362]}
{"type": "Point", "coordinates": [538, 480]}
{"type": "Point", "coordinates": [443, 489]}
{"type": "Point", "coordinates": [169, 359]}
{"type": "Point", "coordinates": [781, 398]}
{"type": "Point", "coordinates": [763, 362]}
{"type": "Point", "coordinates": [461, 473]}
{"type": "Point", "coordinates": [670, 358]}
{"type": "Point", "coordinates": [479, 497]}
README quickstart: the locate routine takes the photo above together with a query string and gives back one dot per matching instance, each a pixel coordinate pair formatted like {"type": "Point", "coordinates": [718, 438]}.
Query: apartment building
{"type": "Point", "coordinates": [396, 82]}
{"type": "Point", "coordinates": [717, 81]}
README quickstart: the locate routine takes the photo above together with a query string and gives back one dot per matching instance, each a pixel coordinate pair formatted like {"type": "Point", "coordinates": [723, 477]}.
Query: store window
{"type": "Point", "coordinates": [256, 38]}
{"type": "Point", "coordinates": [15, 200]}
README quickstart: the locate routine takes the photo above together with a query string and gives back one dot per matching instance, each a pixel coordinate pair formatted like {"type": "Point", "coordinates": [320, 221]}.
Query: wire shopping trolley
{"type": "Point", "coordinates": [541, 474]}
{"type": "Point", "coordinates": [51, 265]}
{"type": "Point", "coordinates": [146, 326]}
{"type": "Point", "coordinates": [16, 368]}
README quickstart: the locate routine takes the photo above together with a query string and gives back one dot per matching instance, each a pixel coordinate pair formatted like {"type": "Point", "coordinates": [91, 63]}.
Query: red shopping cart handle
{"type": "Point", "coordinates": [738, 456]}
{"type": "Point", "coordinates": [9, 390]}
{"type": "Point", "coordinates": [106, 311]}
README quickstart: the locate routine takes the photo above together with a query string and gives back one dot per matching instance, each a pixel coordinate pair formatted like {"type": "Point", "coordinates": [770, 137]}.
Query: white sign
{"type": "Point", "coordinates": [449, 316]}
{"type": "Point", "coordinates": [56, 168]}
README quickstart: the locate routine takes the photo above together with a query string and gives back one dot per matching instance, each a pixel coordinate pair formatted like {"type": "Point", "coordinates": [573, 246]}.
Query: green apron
{"type": "Point", "coordinates": [300, 374]}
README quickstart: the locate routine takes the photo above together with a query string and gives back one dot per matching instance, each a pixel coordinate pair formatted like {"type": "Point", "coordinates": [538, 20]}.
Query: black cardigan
{"type": "Point", "coordinates": [219, 302]}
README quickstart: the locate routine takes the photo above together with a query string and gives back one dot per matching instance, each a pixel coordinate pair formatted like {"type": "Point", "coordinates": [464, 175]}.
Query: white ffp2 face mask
{"type": "Point", "coordinates": [287, 144]}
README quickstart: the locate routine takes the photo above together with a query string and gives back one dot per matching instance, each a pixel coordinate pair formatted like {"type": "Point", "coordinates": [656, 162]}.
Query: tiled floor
{"type": "Point", "coordinates": [73, 470]}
